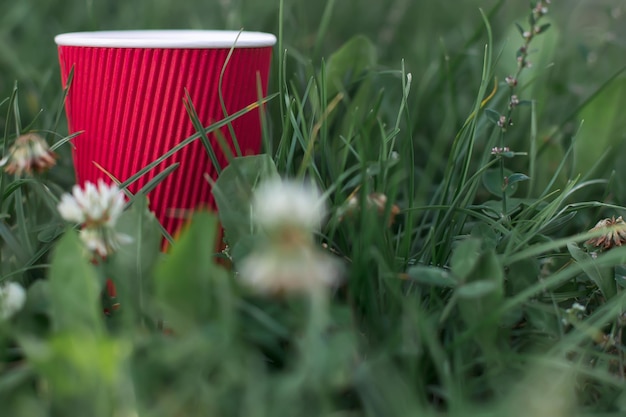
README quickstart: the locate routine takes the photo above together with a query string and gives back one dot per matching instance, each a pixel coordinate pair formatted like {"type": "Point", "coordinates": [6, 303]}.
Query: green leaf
{"type": "Point", "coordinates": [38, 299]}
{"type": "Point", "coordinates": [12, 243]}
{"type": "Point", "coordinates": [604, 128]}
{"type": "Point", "coordinates": [130, 268]}
{"type": "Point", "coordinates": [602, 276]}
{"type": "Point", "coordinates": [233, 193]}
{"type": "Point", "coordinates": [492, 115]}
{"type": "Point", "coordinates": [357, 117]}
{"type": "Point", "coordinates": [486, 234]}
{"type": "Point", "coordinates": [34, 319]}
{"type": "Point", "coordinates": [548, 165]}
{"type": "Point", "coordinates": [493, 182]}
{"type": "Point", "coordinates": [51, 232]}
{"type": "Point", "coordinates": [520, 29]}
{"type": "Point", "coordinates": [348, 63]}
{"type": "Point", "coordinates": [77, 368]}
{"type": "Point", "coordinates": [476, 289]}
{"type": "Point", "coordinates": [465, 258]}
{"type": "Point", "coordinates": [544, 27]}
{"type": "Point", "coordinates": [557, 223]}
{"type": "Point", "coordinates": [74, 288]}
{"type": "Point", "coordinates": [542, 319]}
{"type": "Point", "coordinates": [493, 208]}
{"type": "Point", "coordinates": [244, 246]}
{"type": "Point", "coordinates": [430, 275]}
{"type": "Point", "coordinates": [515, 178]}
{"type": "Point", "coordinates": [522, 275]}
{"type": "Point", "coordinates": [483, 293]}
{"type": "Point", "coordinates": [188, 280]}
{"type": "Point", "coordinates": [620, 275]}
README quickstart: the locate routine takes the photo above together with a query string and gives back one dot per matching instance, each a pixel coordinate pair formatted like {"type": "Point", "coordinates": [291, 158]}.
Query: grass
{"type": "Point", "coordinates": [462, 305]}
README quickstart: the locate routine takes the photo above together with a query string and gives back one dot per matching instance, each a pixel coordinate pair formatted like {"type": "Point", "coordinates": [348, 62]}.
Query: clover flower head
{"type": "Point", "coordinates": [578, 307]}
{"type": "Point", "coordinates": [30, 153]}
{"type": "Point", "coordinates": [283, 203]}
{"type": "Point", "coordinates": [93, 205]}
{"type": "Point", "coordinates": [12, 298]}
{"type": "Point", "coordinates": [614, 233]}
{"type": "Point", "coordinates": [287, 260]}
{"type": "Point", "coordinates": [573, 314]}
{"type": "Point", "coordinates": [96, 208]}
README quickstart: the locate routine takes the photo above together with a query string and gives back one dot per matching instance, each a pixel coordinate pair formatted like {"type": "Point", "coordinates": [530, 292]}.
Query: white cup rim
{"type": "Point", "coordinates": [214, 39]}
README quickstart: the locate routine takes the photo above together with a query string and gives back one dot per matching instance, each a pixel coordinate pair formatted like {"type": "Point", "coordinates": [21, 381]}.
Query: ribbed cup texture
{"type": "Point", "coordinates": [128, 104]}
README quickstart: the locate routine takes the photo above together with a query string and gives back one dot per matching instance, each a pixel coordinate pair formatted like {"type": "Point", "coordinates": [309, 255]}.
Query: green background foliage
{"type": "Point", "coordinates": [459, 306]}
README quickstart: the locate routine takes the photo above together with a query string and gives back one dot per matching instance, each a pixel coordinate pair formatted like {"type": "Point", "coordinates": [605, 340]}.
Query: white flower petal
{"type": "Point", "coordinates": [12, 299]}
{"type": "Point", "coordinates": [94, 241]}
{"type": "Point", "coordinates": [277, 203]}
{"type": "Point", "coordinates": [70, 210]}
{"type": "Point", "coordinates": [101, 204]}
{"type": "Point", "coordinates": [303, 270]}
{"type": "Point", "coordinates": [80, 196]}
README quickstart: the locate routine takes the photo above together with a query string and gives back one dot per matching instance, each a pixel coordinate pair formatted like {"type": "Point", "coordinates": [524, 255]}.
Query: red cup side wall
{"type": "Point", "coordinates": [129, 105]}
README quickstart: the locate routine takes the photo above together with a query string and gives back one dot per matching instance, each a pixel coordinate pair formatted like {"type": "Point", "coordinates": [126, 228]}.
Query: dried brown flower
{"type": "Point", "coordinates": [377, 201]}
{"type": "Point", "coordinates": [614, 233]}
{"type": "Point", "coordinates": [29, 153]}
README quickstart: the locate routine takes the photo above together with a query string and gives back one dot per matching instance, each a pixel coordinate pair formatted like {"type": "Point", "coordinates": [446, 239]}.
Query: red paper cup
{"type": "Point", "coordinates": [126, 97]}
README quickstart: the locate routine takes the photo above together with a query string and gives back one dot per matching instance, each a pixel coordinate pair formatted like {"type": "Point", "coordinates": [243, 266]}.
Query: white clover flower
{"type": "Point", "coordinates": [301, 270]}
{"type": "Point", "coordinates": [29, 153]}
{"type": "Point", "coordinates": [288, 260]}
{"type": "Point", "coordinates": [93, 205]}
{"type": "Point", "coordinates": [12, 298]}
{"type": "Point", "coordinates": [97, 209]}
{"type": "Point", "coordinates": [281, 203]}
{"type": "Point", "coordinates": [573, 314]}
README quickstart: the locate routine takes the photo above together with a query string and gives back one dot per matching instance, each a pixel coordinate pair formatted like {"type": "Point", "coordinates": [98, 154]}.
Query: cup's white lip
{"type": "Point", "coordinates": [167, 39]}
